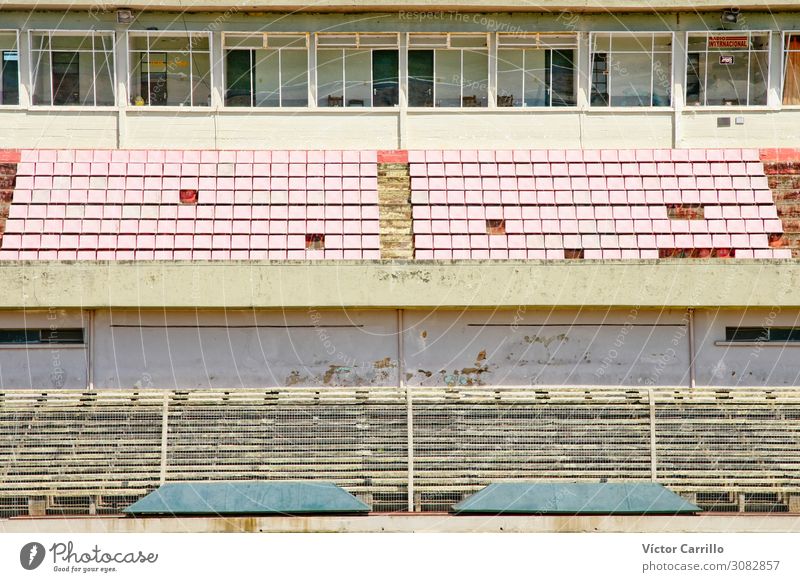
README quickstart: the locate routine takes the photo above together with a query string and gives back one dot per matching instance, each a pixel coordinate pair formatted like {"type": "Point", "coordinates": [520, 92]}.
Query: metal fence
{"type": "Point", "coordinates": [421, 449]}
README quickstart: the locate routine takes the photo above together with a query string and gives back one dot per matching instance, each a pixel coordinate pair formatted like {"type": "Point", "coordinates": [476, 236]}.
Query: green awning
{"type": "Point", "coordinates": [247, 498]}
{"type": "Point", "coordinates": [575, 499]}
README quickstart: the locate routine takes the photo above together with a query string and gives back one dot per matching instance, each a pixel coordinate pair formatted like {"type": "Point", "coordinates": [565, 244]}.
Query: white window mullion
{"type": "Point", "coordinates": [94, 72]}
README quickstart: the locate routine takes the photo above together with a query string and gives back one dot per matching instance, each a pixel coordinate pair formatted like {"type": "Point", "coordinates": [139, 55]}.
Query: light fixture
{"type": "Point", "coordinates": [125, 16]}
{"type": "Point", "coordinates": [730, 16]}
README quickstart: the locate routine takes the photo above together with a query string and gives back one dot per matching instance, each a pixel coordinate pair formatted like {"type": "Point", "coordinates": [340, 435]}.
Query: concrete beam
{"type": "Point", "coordinates": [436, 523]}
{"type": "Point", "coordinates": [387, 284]}
{"type": "Point", "coordinates": [601, 6]}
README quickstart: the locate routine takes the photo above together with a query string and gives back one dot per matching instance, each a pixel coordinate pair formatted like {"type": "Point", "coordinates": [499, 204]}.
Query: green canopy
{"type": "Point", "coordinates": [247, 498]}
{"type": "Point", "coordinates": [575, 499]}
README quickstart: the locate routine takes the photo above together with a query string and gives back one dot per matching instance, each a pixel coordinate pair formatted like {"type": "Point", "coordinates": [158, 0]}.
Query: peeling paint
{"type": "Point", "coordinates": [386, 362]}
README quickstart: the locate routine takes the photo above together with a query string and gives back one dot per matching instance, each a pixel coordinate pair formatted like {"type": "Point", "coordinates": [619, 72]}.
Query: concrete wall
{"type": "Point", "coordinates": [581, 126]}
{"type": "Point", "coordinates": [43, 366]}
{"type": "Point", "coordinates": [313, 347]}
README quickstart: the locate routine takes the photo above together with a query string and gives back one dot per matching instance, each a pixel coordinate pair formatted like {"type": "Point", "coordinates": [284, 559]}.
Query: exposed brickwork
{"type": "Point", "coordinates": [8, 178]}
{"type": "Point", "coordinates": [394, 198]}
{"type": "Point", "coordinates": [783, 172]}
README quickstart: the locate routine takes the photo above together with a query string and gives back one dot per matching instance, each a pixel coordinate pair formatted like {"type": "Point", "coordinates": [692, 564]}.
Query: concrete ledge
{"type": "Point", "coordinates": [392, 284]}
{"type": "Point", "coordinates": [407, 5]}
{"type": "Point", "coordinates": [434, 523]}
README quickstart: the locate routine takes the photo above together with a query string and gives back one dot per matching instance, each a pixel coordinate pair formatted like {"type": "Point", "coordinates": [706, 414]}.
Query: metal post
{"type": "Point", "coordinates": [401, 383]}
{"type": "Point", "coordinates": [691, 349]}
{"type": "Point", "coordinates": [90, 351]}
{"type": "Point", "coordinates": [653, 460]}
{"type": "Point", "coordinates": [164, 425]}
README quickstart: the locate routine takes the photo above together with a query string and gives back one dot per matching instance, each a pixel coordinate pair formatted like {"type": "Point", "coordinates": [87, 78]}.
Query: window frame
{"type": "Point", "coordinates": [447, 46]}
{"type": "Point", "coordinates": [633, 34]}
{"type": "Point", "coordinates": [20, 83]}
{"type": "Point", "coordinates": [265, 40]}
{"type": "Point", "coordinates": [760, 341]}
{"type": "Point", "coordinates": [32, 69]}
{"type": "Point", "coordinates": [576, 47]}
{"type": "Point", "coordinates": [358, 47]}
{"type": "Point", "coordinates": [784, 58]}
{"type": "Point", "coordinates": [708, 33]}
{"type": "Point", "coordinates": [166, 33]}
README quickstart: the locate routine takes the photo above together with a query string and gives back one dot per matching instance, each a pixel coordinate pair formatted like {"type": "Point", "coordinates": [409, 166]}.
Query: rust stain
{"type": "Point", "coordinates": [293, 379]}
{"type": "Point", "coordinates": [481, 356]}
{"type": "Point", "coordinates": [385, 363]}
{"type": "Point", "coordinates": [328, 375]}
{"type": "Point", "coordinates": [424, 334]}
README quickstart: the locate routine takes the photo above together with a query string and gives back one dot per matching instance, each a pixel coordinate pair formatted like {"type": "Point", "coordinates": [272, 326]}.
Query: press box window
{"type": "Point", "coordinates": [631, 70]}
{"type": "Point", "coordinates": [791, 70]}
{"type": "Point", "coordinates": [41, 336]}
{"type": "Point", "coordinates": [9, 69]}
{"type": "Point", "coordinates": [357, 70]}
{"type": "Point", "coordinates": [266, 70]}
{"type": "Point", "coordinates": [75, 68]}
{"type": "Point", "coordinates": [448, 70]}
{"type": "Point", "coordinates": [730, 69]}
{"type": "Point", "coordinates": [536, 70]}
{"type": "Point", "coordinates": [762, 334]}
{"type": "Point", "coordinates": [169, 69]}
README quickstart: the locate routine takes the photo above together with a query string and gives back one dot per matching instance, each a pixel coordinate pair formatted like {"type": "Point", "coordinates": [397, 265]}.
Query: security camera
{"type": "Point", "coordinates": [730, 16]}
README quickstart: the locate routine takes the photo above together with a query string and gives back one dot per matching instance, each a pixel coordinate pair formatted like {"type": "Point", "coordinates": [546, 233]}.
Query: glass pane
{"type": "Point", "coordinates": [8, 41]}
{"type": "Point", "coordinates": [294, 78]}
{"type": "Point", "coordinates": [66, 77]}
{"type": "Point", "coordinates": [536, 94]}
{"type": "Point", "coordinates": [385, 72]}
{"type": "Point", "coordinates": [600, 75]}
{"type": "Point", "coordinates": [694, 79]}
{"type": "Point", "coordinates": [791, 83]}
{"type": "Point", "coordinates": [137, 43]}
{"type": "Point", "coordinates": [759, 72]}
{"type": "Point", "coordinates": [244, 41]}
{"type": "Point", "coordinates": [136, 95]}
{"type": "Point", "coordinates": [562, 84]}
{"type": "Point", "coordinates": [104, 42]}
{"type": "Point", "coordinates": [475, 90]}
{"type": "Point", "coordinates": [104, 81]}
{"type": "Point", "coordinates": [727, 78]}
{"type": "Point", "coordinates": [631, 43]}
{"type": "Point", "coordinates": [630, 76]}
{"type": "Point", "coordinates": [72, 43]}
{"type": "Point", "coordinates": [602, 43]}
{"type": "Point", "coordinates": [427, 40]}
{"type": "Point", "coordinates": [358, 78]}
{"type": "Point", "coordinates": [369, 40]}
{"type": "Point", "coordinates": [9, 73]}
{"type": "Point", "coordinates": [477, 41]}
{"type": "Point", "coordinates": [759, 42]}
{"type": "Point", "coordinates": [287, 40]}
{"type": "Point", "coordinates": [201, 79]}
{"type": "Point", "coordinates": [330, 78]}
{"type": "Point", "coordinates": [172, 42]}
{"type": "Point", "coordinates": [509, 77]}
{"type": "Point", "coordinates": [420, 78]}
{"type": "Point", "coordinates": [662, 43]}
{"type": "Point", "coordinates": [268, 79]}
{"type": "Point", "coordinates": [238, 90]}
{"type": "Point", "coordinates": [41, 78]}
{"type": "Point", "coordinates": [662, 80]}
{"type": "Point", "coordinates": [697, 43]}
{"type": "Point", "coordinates": [448, 78]}
{"type": "Point", "coordinates": [174, 81]}
{"type": "Point", "coordinates": [340, 40]}
{"type": "Point", "coordinates": [744, 334]}
{"type": "Point", "coordinates": [40, 41]}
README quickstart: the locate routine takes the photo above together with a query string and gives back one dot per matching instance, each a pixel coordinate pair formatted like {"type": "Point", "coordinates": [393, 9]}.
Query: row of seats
{"type": "Point", "coordinates": [697, 227]}
{"type": "Point", "coordinates": [627, 182]}
{"type": "Point", "coordinates": [45, 170]}
{"type": "Point", "coordinates": [581, 169]}
{"type": "Point", "coordinates": [586, 212]}
{"type": "Point", "coordinates": [256, 198]}
{"type": "Point", "coordinates": [595, 254]}
{"type": "Point", "coordinates": [592, 241]}
{"type": "Point", "coordinates": [202, 156]}
{"type": "Point", "coordinates": [169, 226]}
{"type": "Point", "coordinates": [588, 155]}
{"type": "Point", "coordinates": [186, 255]}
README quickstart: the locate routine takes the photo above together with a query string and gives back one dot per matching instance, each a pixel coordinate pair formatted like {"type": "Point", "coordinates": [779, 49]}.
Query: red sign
{"type": "Point", "coordinates": [729, 42]}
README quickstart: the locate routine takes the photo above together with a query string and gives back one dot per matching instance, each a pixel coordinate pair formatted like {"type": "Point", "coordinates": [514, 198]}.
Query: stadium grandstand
{"type": "Point", "coordinates": [410, 249]}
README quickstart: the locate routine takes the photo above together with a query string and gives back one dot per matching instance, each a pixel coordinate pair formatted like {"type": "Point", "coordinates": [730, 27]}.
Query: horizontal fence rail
{"type": "Point", "coordinates": [84, 452]}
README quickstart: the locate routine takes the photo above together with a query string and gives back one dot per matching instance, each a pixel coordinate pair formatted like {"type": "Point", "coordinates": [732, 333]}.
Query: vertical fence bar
{"type": "Point", "coordinates": [401, 383]}
{"type": "Point", "coordinates": [653, 459]}
{"type": "Point", "coordinates": [164, 426]}
{"type": "Point", "coordinates": [691, 349]}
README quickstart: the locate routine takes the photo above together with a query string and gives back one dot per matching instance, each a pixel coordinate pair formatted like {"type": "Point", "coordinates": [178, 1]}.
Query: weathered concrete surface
{"type": "Point", "coordinates": [433, 5]}
{"type": "Point", "coordinates": [477, 284]}
{"type": "Point", "coordinates": [732, 523]}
